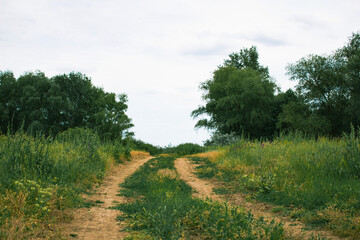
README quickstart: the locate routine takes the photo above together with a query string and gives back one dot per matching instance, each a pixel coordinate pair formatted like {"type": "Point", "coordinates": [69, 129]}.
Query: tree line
{"type": "Point", "coordinates": [38, 104]}
{"type": "Point", "coordinates": [241, 98]}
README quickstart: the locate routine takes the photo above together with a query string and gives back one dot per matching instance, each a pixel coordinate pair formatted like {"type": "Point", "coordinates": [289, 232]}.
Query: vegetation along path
{"type": "Point", "coordinates": [204, 189]}
{"type": "Point", "coordinates": [99, 222]}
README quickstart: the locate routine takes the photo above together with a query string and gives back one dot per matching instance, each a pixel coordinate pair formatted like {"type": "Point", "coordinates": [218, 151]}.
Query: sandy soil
{"type": "Point", "coordinates": [204, 189]}
{"type": "Point", "coordinates": [99, 222]}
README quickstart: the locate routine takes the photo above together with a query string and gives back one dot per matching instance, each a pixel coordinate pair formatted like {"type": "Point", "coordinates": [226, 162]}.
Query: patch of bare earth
{"type": "Point", "coordinates": [204, 189]}
{"type": "Point", "coordinates": [99, 222]}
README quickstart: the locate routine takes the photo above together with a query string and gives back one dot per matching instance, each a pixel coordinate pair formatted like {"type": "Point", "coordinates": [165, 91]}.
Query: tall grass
{"type": "Point", "coordinates": [321, 176]}
{"type": "Point", "coordinates": [40, 177]}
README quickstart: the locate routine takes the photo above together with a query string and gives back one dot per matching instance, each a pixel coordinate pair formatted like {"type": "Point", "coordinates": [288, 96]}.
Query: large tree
{"type": "Point", "coordinates": [39, 104]}
{"type": "Point", "coordinates": [239, 97]}
{"type": "Point", "coordinates": [38, 101]}
{"type": "Point", "coordinates": [329, 87]}
{"type": "Point", "coordinates": [351, 56]}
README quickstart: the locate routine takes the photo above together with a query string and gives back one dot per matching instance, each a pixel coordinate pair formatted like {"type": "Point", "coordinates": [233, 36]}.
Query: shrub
{"type": "Point", "coordinates": [185, 149]}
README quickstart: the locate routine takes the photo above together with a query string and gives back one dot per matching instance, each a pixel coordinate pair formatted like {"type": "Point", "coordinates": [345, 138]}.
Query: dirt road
{"type": "Point", "coordinates": [204, 189]}
{"type": "Point", "coordinates": [99, 222]}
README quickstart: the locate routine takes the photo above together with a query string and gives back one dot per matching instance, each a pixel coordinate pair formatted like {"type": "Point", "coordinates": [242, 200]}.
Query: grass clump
{"type": "Point", "coordinates": [168, 211]}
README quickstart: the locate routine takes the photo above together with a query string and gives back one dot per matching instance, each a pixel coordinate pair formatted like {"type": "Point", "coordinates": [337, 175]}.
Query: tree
{"type": "Point", "coordinates": [297, 116]}
{"type": "Point", "coordinates": [351, 55]}
{"type": "Point", "coordinates": [330, 86]}
{"type": "Point", "coordinates": [111, 121]}
{"type": "Point", "coordinates": [7, 99]}
{"type": "Point", "coordinates": [247, 58]}
{"type": "Point", "coordinates": [239, 97]}
{"type": "Point", "coordinates": [37, 101]}
{"type": "Point", "coordinates": [51, 106]}
{"type": "Point", "coordinates": [88, 106]}
{"type": "Point", "coordinates": [79, 97]}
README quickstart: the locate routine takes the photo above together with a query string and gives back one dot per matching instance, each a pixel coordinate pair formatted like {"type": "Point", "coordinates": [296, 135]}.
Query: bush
{"type": "Point", "coordinates": [222, 139]}
{"type": "Point", "coordinates": [142, 146]}
{"type": "Point", "coordinates": [184, 149]}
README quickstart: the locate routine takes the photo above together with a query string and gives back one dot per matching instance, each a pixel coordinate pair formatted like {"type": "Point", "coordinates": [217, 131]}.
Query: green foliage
{"type": "Point", "coordinates": [239, 98]}
{"type": "Point", "coordinates": [222, 139]}
{"type": "Point", "coordinates": [329, 89]}
{"type": "Point", "coordinates": [40, 176]}
{"type": "Point", "coordinates": [168, 211]}
{"type": "Point", "coordinates": [184, 149]}
{"type": "Point", "coordinates": [206, 169]}
{"type": "Point", "coordinates": [296, 116]}
{"type": "Point", "coordinates": [39, 104]}
{"type": "Point", "coordinates": [7, 99]}
{"type": "Point", "coordinates": [350, 164]}
{"type": "Point", "coordinates": [219, 221]}
{"type": "Point", "coordinates": [247, 58]}
{"type": "Point", "coordinates": [75, 156]}
{"type": "Point", "coordinates": [37, 197]}
{"type": "Point", "coordinates": [319, 176]}
{"type": "Point", "coordinates": [351, 55]}
{"type": "Point", "coordinates": [142, 146]}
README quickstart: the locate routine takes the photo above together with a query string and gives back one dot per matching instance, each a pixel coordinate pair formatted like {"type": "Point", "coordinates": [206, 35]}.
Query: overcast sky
{"type": "Point", "coordinates": [157, 52]}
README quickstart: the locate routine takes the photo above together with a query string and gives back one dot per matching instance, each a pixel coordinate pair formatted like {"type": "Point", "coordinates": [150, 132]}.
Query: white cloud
{"type": "Point", "coordinates": [159, 51]}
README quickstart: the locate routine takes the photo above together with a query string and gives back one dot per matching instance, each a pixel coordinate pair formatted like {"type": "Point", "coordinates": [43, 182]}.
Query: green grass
{"type": "Point", "coordinates": [40, 177]}
{"type": "Point", "coordinates": [222, 191]}
{"type": "Point", "coordinates": [168, 211]}
{"type": "Point", "coordinates": [318, 176]}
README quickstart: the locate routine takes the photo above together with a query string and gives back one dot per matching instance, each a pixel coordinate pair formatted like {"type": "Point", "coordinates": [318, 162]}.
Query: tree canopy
{"type": "Point", "coordinates": [329, 86]}
{"type": "Point", "coordinates": [37, 103]}
{"type": "Point", "coordinates": [239, 98]}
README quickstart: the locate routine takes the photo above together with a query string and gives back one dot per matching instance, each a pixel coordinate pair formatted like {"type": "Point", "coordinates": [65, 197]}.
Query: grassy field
{"type": "Point", "coordinates": [315, 180]}
{"type": "Point", "coordinates": [41, 177]}
{"type": "Point", "coordinates": [165, 209]}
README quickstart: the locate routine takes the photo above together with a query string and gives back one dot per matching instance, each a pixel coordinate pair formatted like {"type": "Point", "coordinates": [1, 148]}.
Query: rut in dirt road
{"type": "Point", "coordinates": [204, 189]}
{"type": "Point", "coordinates": [99, 222]}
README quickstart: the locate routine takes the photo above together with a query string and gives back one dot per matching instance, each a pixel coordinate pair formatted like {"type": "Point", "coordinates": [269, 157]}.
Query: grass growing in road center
{"type": "Point", "coordinates": [166, 209]}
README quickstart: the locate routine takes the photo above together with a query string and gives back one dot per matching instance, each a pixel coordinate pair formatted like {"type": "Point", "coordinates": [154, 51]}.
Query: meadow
{"type": "Point", "coordinates": [41, 177]}
{"type": "Point", "coordinates": [314, 180]}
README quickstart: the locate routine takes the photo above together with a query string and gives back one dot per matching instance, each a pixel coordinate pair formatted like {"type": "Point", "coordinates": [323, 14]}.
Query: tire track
{"type": "Point", "coordinates": [204, 189]}
{"type": "Point", "coordinates": [99, 222]}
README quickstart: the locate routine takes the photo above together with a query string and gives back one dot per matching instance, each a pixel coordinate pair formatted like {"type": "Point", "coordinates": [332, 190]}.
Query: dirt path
{"type": "Point", "coordinates": [204, 188]}
{"type": "Point", "coordinates": [99, 222]}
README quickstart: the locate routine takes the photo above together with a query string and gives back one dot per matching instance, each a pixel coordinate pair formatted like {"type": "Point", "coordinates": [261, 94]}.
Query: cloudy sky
{"type": "Point", "coordinates": [157, 52]}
